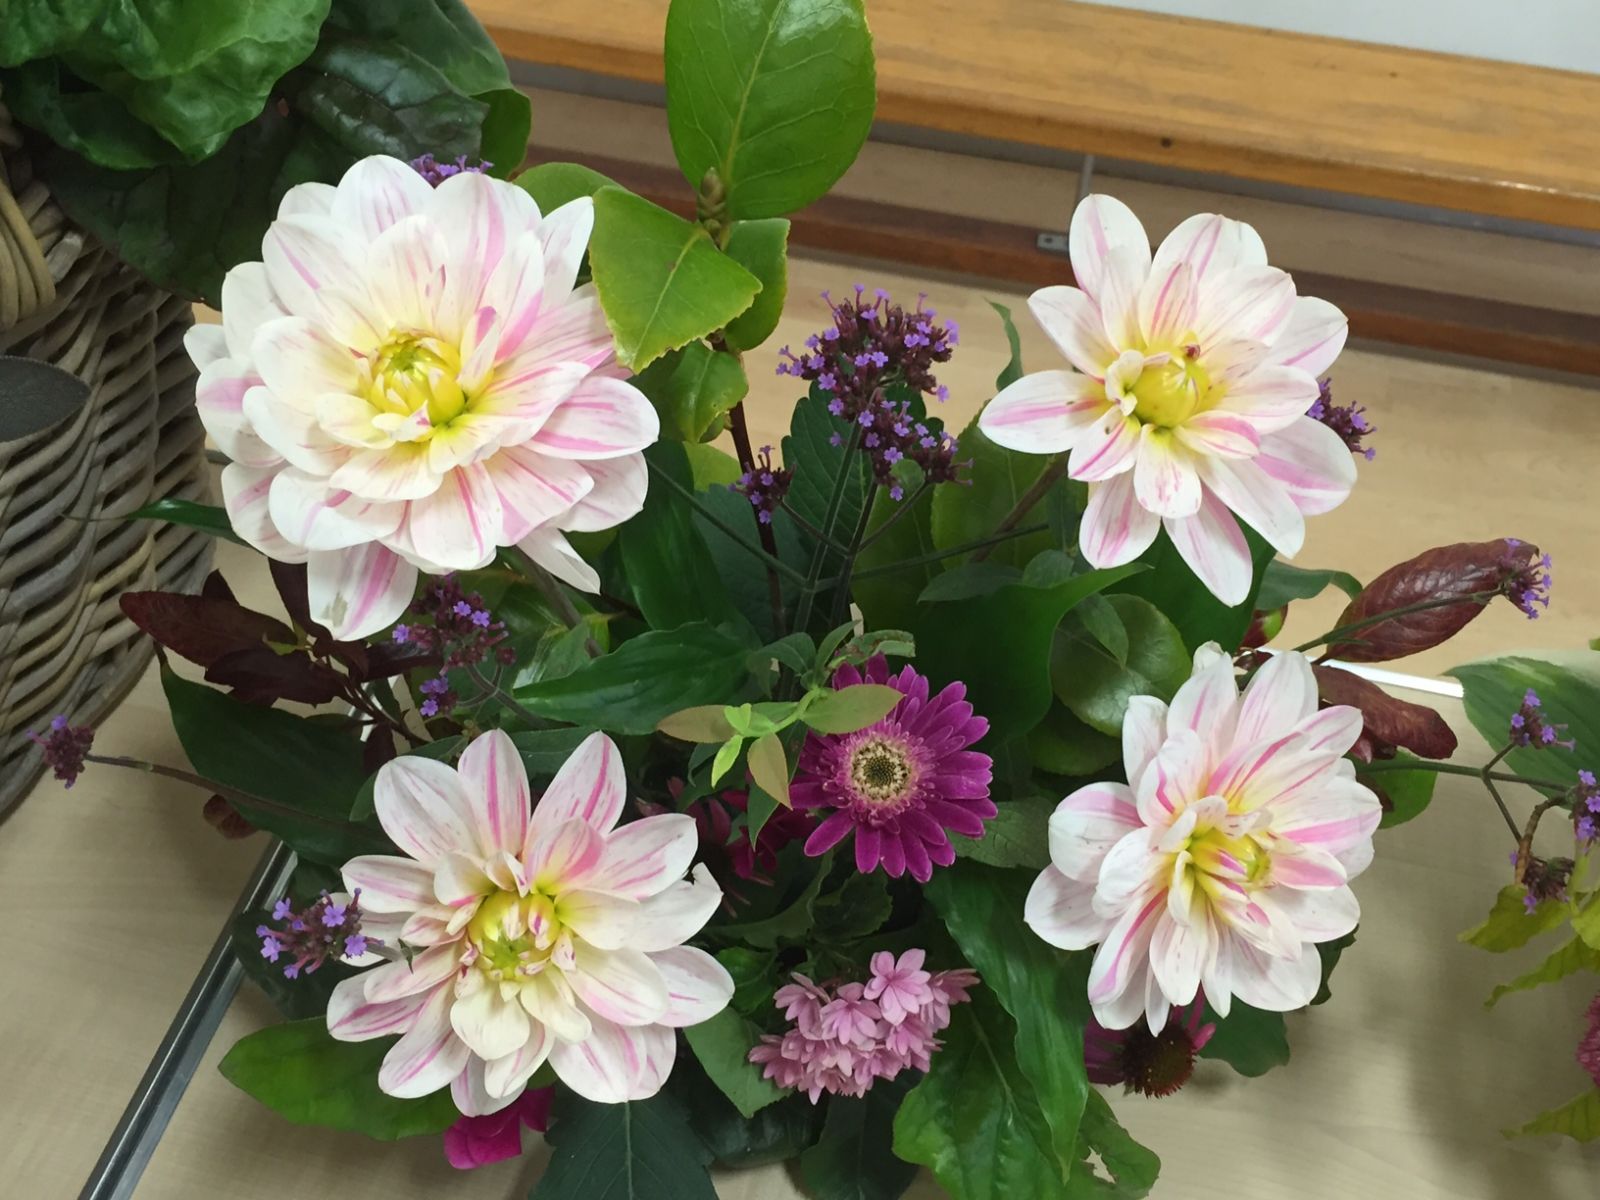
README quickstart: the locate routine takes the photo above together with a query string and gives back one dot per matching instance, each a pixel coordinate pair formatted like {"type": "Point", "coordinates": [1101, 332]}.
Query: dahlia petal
{"type": "Point", "coordinates": [1100, 226]}
{"type": "Point", "coordinates": [1165, 480]}
{"type": "Point", "coordinates": [247, 305]}
{"type": "Point", "coordinates": [590, 787]}
{"type": "Point", "coordinates": [1211, 245]}
{"type": "Point", "coordinates": [459, 525]}
{"type": "Point", "coordinates": [1166, 303]}
{"type": "Point", "coordinates": [1124, 955]}
{"type": "Point", "coordinates": [1275, 984]}
{"type": "Point", "coordinates": [1178, 951]}
{"type": "Point", "coordinates": [1249, 301]}
{"type": "Point", "coordinates": [303, 253]}
{"type": "Point", "coordinates": [245, 495]}
{"type": "Point", "coordinates": [1312, 463]}
{"type": "Point", "coordinates": [460, 879]}
{"type": "Point", "coordinates": [1320, 916]}
{"type": "Point", "coordinates": [606, 1067]}
{"type": "Point", "coordinates": [1207, 705]}
{"type": "Point", "coordinates": [549, 1000]}
{"type": "Point", "coordinates": [1127, 871]}
{"type": "Point", "coordinates": [1071, 320]}
{"type": "Point", "coordinates": [575, 331]}
{"type": "Point", "coordinates": [1116, 528]}
{"type": "Point", "coordinates": [698, 986]}
{"type": "Point", "coordinates": [555, 554]}
{"type": "Point", "coordinates": [534, 488]}
{"type": "Point", "coordinates": [1211, 543]}
{"type": "Point", "coordinates": [1086, 825]}
{"type": "Point", "coordinates": [1124, 275]}
{"type": "Point", "coordinates": [353, 1018]}
{"type": "Point", "coordinates": [294, 434]}
{"type": "Point", "coordinates": [623, 986]}
{"type": "Point", "coordinates": [492, 1026]}
{"type": "Point", "coordinates": [1269, 398]}
{"type": "Point", "coordinates": [429, 1056]}
{"type": "Point", "coordinates": [398, 472]}
{"type": "Point", "coordinates": [1043, 413]}
{"type": "Point", "coordinates": [1230, 359]}
{"type": "Point", "coordinates": [424, 808]}
{"type": "Point", "coordinates": [565, 234]}
{"type": "Point", "coordinates": [1281, 696]}
{"type": "Point", "coordinates": [1175, 778]}
{"type": "Point", "coordinates": [1218, 432]}
{"type": "Point", "coordinates": [425, 971]}
{"type": "Point", "coordinates": [389, 883]}
{"type": "Point", "coordinates": [1106, 448]}
{"type": "Point", "coordinates": [318, 517]}
{"type": "Point", "coordinates": [619, 491]}
{"type": "Point", "coordinates": [481, 220]}
{"type": "Point", "coordinates": [1306, 868]}
{"type": "Point", "coordinates": [564, 856]}
{"type": "Point", "coordinates": [497, 786]}
{"type": "Point", "coordinates": [348, 420]}
{"type": "Point", "coordinates": [605, 922]}
{"type": "Point", "coordinates": [602, 418]}
{"type": "Point", "coordinates": [376, 192]}
{"type": "Point", "coordinates": [675, 914]}
{"type": "Point", "coordinates": [219, 400]}
{"type": "Point", "coordinates": [406, 270]}
{"type": "Point", "coordinates": [1257, 774]}
{"type": "Point", "coordinates": [355, 593]}
{"type": "Point", "coordinates": [1061, 911]}
{"type": "Point", "coordinates": [313, 199]}
{"type": "Point", "coordinates": [1258, 499]}
{"type": "Point", "coordinates": [471, 1098]}
{"type": "Point", "coordinates": [506, 1078]}
{"type": "Point", "coordinates": [525, 392]}
{"type": "Point", "coordinates": [647, 856]}
{"type": "Point", "coordinates": [515, 290]}
{"type": "Point", "coordinates": [1144, 728]}
{"type": "Point", "coordinates": [1336, 816]}
{"type": "Point", "coordinates": [1313, 337]}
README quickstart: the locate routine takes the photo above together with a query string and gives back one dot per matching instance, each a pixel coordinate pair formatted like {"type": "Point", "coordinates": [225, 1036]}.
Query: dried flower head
{"type": "Point", "coordinates": [1348, 421]}
{"type": "Point", "coordinates": [1152, 1064]}
{"type": "Point", "coordinates": [65, 746]}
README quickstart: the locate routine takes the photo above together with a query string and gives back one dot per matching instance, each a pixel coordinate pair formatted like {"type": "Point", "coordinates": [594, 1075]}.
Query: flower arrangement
{"type": "Point", "coordinates": [859, 802]}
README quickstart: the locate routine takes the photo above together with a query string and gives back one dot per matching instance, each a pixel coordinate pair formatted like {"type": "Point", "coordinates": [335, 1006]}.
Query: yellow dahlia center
{"type": "Point", "coordinates": [880, 771]}
{"type": "Point", "coordinates": [514, 935]}
{"type": "Point", "coordinates": [1241, 860]}
{"type": "Point", "coordinates": [413, 372]}
{"type": "Point", "coordinates": [1169, 394]}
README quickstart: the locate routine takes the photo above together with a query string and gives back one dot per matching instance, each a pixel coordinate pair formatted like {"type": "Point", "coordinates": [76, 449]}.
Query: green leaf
{"type": "Point", "coordinates": [1579, 1119]}
{"type": "Point", "coordinates": [1200, 617]}
{"type": "Point", "coordinates": [1330, 952]}
{"type": "Point", "coordinates": [1249, 1040]}
{"type": "Point", "coordinates": [544, 751]}
{"type": "Point", "coordinates": [1007, 678]}
{"type": "Point", "coordinates": [312, 768]}
{"type": "Point", "coordinates": [300, 1072]}
{"type": "Point", "coordinates": [660, 547]}
{"type": "Point", "coordinates": [444, 749]}
{"type": "Point", "coordinates": [636, 1150]}
{"type": "Point", "coordinates": [775, 96]}
{"type": "Point", "coordinates": [295, 999]}
{"type": "Point", "coordinates": [643, 680]}
{"type": "Point", "coordinates": [1576, 955]}
{"type": "Point", "coordinates": [705, 724]}
{"type": "Point", "coordinates": [691, 389]}
{"type": "Point", "coordinates": [726, 756]}
{"type": "Point", "coordinates": [970, 579]}
{"type": "Point", "coordinates": [1569, 685]}
{"type": "Point", "coordinates": [776, 1133]}
{"type": "Point", "coordinates": [710, 466]}
{"type": "Point", "coordinates": [890, 599]}
{"type": "Point", "coordinates": [762, 248]}
{"type": "Point", "coordinates": [1510, 925]}
{"type": "Point", "coordinates": [1409, 792]}
{"type": "Point", "coordinates": [1064, 745]}
{"type": "Point", "coordinates": [1283, 582]}
{"type": "Point", "coordinates": [999, 479]}
{"type": "Point", "coordinates": [742, 572]}
{"type": "Point", "coordinates": [769, 768]}
{"type": "Point", "coordinates": [797, 651]}
{"type": "Point", "coordinates": [1586, 921]}
{"type": "Point", "coordinates": [851, 708]}
{"type": "Point", "coordinates": [1018, 836]}
{"type": "Point", "coordinates": [723, 1046]}
{"type": "Point", "coordinates": [791, 923]}
{"type": "Point", "coordinates": [852, 1160]}
{"type": "Point", "coordinates": [556, 183]}
{"type": "Point", "coordinates": [857, 909]}
{"type": "Point", "coordinates": [1013, 368]}
{"type": "Point", "coordinates": [210, 517]}
{"type": "Point", "coordinates": [809, 452]}
{"type": "Point", "coordinates": [974, 1119]}
{"type": "Point", "coordinates": [1099, 618]}
{"type": "Point", "coordinates": [751, 971]}
{"type": "Point", "coordinates": [662, 281]}
{"type": "Point", "coordinates": [1044, 989]}
{"type": "Point", "coordinates": [1133, 1168]}
{"type": "Point", "coordinates": [1097, 688]}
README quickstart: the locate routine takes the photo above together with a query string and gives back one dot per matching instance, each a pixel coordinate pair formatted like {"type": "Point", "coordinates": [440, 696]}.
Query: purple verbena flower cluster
{"type": "Point", "coordinates": [869, 349]}
{"type": "Point", "coordinates": [1525, 577]}
{"type": "Point", "coordinates": [436, 172]}
{"type": "Point", "coordinates": [1543, 878]}
{"type": "Point", "coordinates": [765, 487]}
{"type": "Point", "coordinates": [1529, 727]}
{"type": "Point", "coordinates": [460, 629]}
{"type": "Point", "coordinates": [1586, 808]}
{"type": "Point", "coordinates": [1348, 421]}
{"type": "Point", "coordinates": [326, 928]}
{"type": "Point", "coordinates": [846, 1036]}
{"type": "Point", "coordinates": [64, 746]}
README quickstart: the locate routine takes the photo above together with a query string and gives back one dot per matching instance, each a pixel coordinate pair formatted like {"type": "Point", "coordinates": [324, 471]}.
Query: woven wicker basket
{"type": "Point", "coordinates": [64, 644]}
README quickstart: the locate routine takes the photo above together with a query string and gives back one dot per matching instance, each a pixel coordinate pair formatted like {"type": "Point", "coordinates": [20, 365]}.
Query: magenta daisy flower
{"type": "Point", "coordinates": [901, 785]}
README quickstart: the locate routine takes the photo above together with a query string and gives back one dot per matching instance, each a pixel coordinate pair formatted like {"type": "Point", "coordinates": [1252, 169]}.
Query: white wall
{"type": "Point", "coordinates": [1546, 33]}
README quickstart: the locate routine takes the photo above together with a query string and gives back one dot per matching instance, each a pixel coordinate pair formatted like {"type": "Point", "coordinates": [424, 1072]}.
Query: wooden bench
{"type": "Point", "coordinates": [1407, 125]}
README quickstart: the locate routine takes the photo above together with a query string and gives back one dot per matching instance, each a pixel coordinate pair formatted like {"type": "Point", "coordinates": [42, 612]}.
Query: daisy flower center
{"type": "Point", "coordinates": [1157, 1064]}
{"type": "Point", "coordinates": [881, 771]}
{"type": "Point", "coordinates": [1229, 860]}
{"type": "Point", "coordinates": [413, 373]}
{"type": "Point", "coordinates": [514, 935]}
{"type": "Point", "coordinates": [1169, 394]}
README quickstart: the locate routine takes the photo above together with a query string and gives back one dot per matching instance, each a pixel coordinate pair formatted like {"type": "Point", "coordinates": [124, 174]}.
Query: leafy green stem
{"type": "Point", "coordinates": [894, 518]}
{"type": "Point", "coordinates": [738, 538]}
{"type": "Point", "coordinates": [841, 596]}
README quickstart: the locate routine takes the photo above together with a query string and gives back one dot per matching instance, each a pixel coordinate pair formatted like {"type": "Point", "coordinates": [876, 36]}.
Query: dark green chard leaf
{"type": "Point", "coordinates": [890, 599]}
{"type": "Point", "coordinates": [661, 550]}
{"type": "Point", "coordinates": [1249, 1040]}
{"type": "Point", "coordinates": [999, 479]}
{"type": "Point", "coordinates": [637, 1150]}
{"type": "Point", "coordinates": [543, 751]}
{"type": "Point", "coordinates": [775, 96]}
{"type": "Point", "coordinates": [723, 1046]}
{"type": "Point", "coordinates": [691, 389]}
{"type": "Point", "coordinates": [556, 183]}
{"type": "Point", "coordinates": [857, 909]}
{"type": "Point", "coordinates": [1200, 617]}
{"type": "Point", "coordinates": [852, 1160]}
{"type": "Point", "coordinates": [762, 248]}
{"type": "Point", "coordinates": [1283, 582]}
{"type": "Point", "coordinates": [662, 280]}
{"type": "Point", "coordinates": [1096, 687]}
{"type": "Point", "coordinates": [1018, 836]}
{"type": "Point", "coordinates": [1133, 1168]}
{"type": "Point", "coordinates": [300, 1072]}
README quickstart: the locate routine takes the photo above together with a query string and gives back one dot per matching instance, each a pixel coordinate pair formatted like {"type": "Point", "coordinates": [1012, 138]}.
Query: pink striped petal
{"type": "Point", "coordinates": [245, 496]}
{"type": "Point", "coordinates": [1043, 413]}
{"type": "Point", "coordinates": [1207, 705]}
{"type": "Point", "coordinates": [1211, 245]}
{"type": "Point", "coordinates": [247, 305]}
{"type": "Point", "coordinates": [607, 1066]}
{"type": "Point", "coordinates": [299, 363]}
{"type": "Point", "coordinates": [1100, 226]}
{"type": "Point", "coordinates": [398, 472]}
{"type": "Point", "coordinates": [497, 785]}
{"type": "Point", "coordinates": [1295, 865]}
{"type": "Point", "coordinates": [304, 253]}
{"type": "Point", "coordinates": [698, 986]}
{"type": "Point", "coordinates": [1258, 499]}
{"type": "Point", "coordinates": [1072, 321]}
{"type": "Point", "coordinates": [424, 807]}
{"type": "Point", "coordinates": [1175, 778]}
{"type": "Point", "coordinates": [623, 986]}
{"type": "Point", "coordinates": [646, 857]}
{"type": "Point", "coordinates": [1124, 954]}
{"type": "Point", "coordinates": [1219, 432]}
{"type": "Point", "coordinates": [482, 219]}
{"type": "Point", "coordinates": [1275, 984]}
{"type": "Point", "coordinates": [507, 1077]}
{"type": "Point", "coordinates": [358, 592]}
{"type": "Point", "coordinates": [429, 926]}
{"type": "Point", "coordinates": [1106, 448]}
{"type": "Point", "coordinates": [675, 914]}
{"type": "Point", "coordinates": [589, 787]}
{"type": "Point", "coordinates": [555, 554]}
{"type": "Point", "coordinates": [526, 391]}
{"type": "Point", "coordinates": [565, 234]}
{"type": "Point", "coordinates": [1312, 463]}
{"type": "Point", "coordinates": [575, 331]}
{"type": "Point", "coordinates": [425, 971]}
{"type": "Point", "coordinates": [388, 883]}
{"type": "Point", "coordinates": [535, 488]}
{"type": "Point", "coordinates": [1086, 825]}
{"type": "Point", "coordinates": [1211, 543]}
{"type": "Point", "coordinates": [353, 1018]}
{"type": "Point", "coordinates": [1130, 869]}
{"type": "Point", "coordinates": [1166, 305]}
{"type": "Point", "coordinates": [471, 1097]}
{"type": "Point", "coordinates": [460, 525]}
{"type": "Point", "coordinates": [1313, 338]}
{"type": "Point", "coordinates": [460, 879]}
{"type": "Point", "coordinates": [619, 491]}
{"type": "Point", "coordinates": [1272, 772]}
{"type": "Point", "coordinates": [348, 419]}
{"type": "Point", "coordinates": [219, 399]}
{"type": "Point", "coordinates": [1116, 528]}
{"type": "Point", "coordinates": [601, 920]}
{"type": "Point", "coordinates": [1336, 815]}
{"type": "Point", "coordinates": [480, 349]}
{"type": "Point", "coordinates": [1270, 397]}
{"type": "Point", "coordinates": [1229, 360]}
{"type": "Point", "coordinates": [1061, 911]}
{"type": "Point", "coordinates": [1125, 271]}
{"type": "Point", "coordinates": [377, 192]}
{"type": "Point", "coordinates": [1247, 302]}
{"type": "Point", "coordinates": [307, 199]}
{"type": "Point", "coordinates": [293, 433]}
{"type": "Point", "coordinates": [1322, 915]}
{"type": "Point", "coordinates": [515, 290]}
{"type": "Point", "coordinates": [564, 856]}
{"type": "Point", "coordinates": [406, 269]}
{"type": "Point", "coordinates": [603, 418]}
{"type": "Point", "coordinates": [1281, 697]}
{"type": "Point", "coordinates": [493, 1026]}
{"type": "Point", "coordinates": [1165, 481]}
{"type": "Point", "coordinates": [1144, 729]}
{"type": "Point", "coordinates": [311, 514]}
{"type": "Point", "coordinates": [1177, 953]}
{"type": "Point", "coordinates": [1335, 728]}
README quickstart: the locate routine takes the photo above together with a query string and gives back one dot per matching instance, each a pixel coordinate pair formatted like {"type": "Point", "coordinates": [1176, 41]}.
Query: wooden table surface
{"type": "Point", "coordinates": [113, 892]}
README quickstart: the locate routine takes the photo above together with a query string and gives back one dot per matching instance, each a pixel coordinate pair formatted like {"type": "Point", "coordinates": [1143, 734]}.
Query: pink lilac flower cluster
{"type": "Point", "coordinates": [65, 747]}
{"type": "Point", "coordinates": [479, 1141]}
{"type": "Point", "coordinates": [457, 627]}
{"type": "Point", "coordinates": [869, 350]}
{"type": "Point", "coordinates": [1348, 421]}
{"type": "Point", "coordinates": [436, 172]}
{"type": "Point", "coordinates": [1152, 1064]}
{"type": "Point", "coordinates": [1530, 728]}
{"type": "Point", "coordinates": [1525, 577]}
{"type": "Point", "coordinates": [1589, 1048]}
{"type": "Point", "coordinates": [765, 487]}
{"type": "Point", "coordinates": [1586, 808]}
{"type": "Point", "coordinates": [326, 928]}
{"type": "Point", "coordinates": [847, 1036]}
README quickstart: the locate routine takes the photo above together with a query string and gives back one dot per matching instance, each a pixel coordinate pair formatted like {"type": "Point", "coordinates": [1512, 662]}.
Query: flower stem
{"type": "Point", "coordinates": [841, 597]}
{"type": "Point", "coordinates": [769, 540]}
{"type": "Point", "coordinates": [491, 687]}
{"type": "Point", "coordinates": [551, 591]}
{"type": "Point", "coordinates": [894, 518]}
{"type": "Point", "coordinates": [232, 795]}
{"type": "Point", "coordinates": [738, 538]}
{"type": "Point", "coordinates": [812, 583]}
{"type": "Point", "coordinates": [937, 555]}
{"type": "Point", "coordinates": [1440, 768]}
{"type": "Point", "coordinates": [1334, 637]}
{"type": "Point", "coordinates": [1053, 471]}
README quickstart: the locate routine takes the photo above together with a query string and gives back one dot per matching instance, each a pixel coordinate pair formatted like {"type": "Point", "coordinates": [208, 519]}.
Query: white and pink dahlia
{"type": "Point", "coordinates": [1227, 856]}
{"type": "Point", "coordinates": [541, 933]}
{"type": "Point", "coordinates": [1186, 407]}
{"type": "Point", "coordinates": [411, 380]}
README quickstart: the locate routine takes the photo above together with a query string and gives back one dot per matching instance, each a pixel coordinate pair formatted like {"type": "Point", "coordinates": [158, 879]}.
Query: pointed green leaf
{"type": "Point", "coordinates": [851, 708]}
{"type": "Point", "coordinates": [212, 518]}
{"type": "Point", "coordinates": [1249, 1040]}
{"type": "Point", "coordinates": [636, 1150]}
{"type": "Point", "coordinates": [704, 723]}
{"type": "Point", "coordinates": [852, 1160]}
{"type": "Point", "coordinates": [1568, 683]}
{"type": "Point", "coordinates": [769, 768]}
{"type": "Point", "coordinates": [1283, 582]}
{"type": "Point", "coordinates": [762, 248]}
{"type": "Point", "coordinates": [726, 756]}
{"type": "Point", "coordinates": [1018, 836]}
{"type": "Point", "coordinates": [658, 542]}
{"type": "Point", "coordinates": [1510, 925]}
{"type": "Point", "coordinates": [1013, 368]}
{"type": "Point", "coordinates": [723, 1046]}
{"type": "Point", "coordinates": [1576, 955]}
{"type": "Point", "coordinates": [1132, 1167]}
{"type": "Point", "coordinates": [556, 183]}
{"type": "Point", "coordinates": [999, 478]}
{"type": "Point", "coordinates": [1064, 745]}
{"type": "Point", "coordinates": [1579, 1120]}
{"type": "Point", "coordinates": [1097, 688]}
{"type": "Point", "coordinates": [692, 388]}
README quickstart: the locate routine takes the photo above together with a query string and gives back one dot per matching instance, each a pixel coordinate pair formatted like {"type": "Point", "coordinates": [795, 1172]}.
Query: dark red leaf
{"type": "Point", "coordinates": [377, 749]}
{"type": "Point", "coordinates": [261, 675]}
{"type": "Point", "coordinates": [1471, 571]}
{"type": "Point", "coordinates": [222, 817]}
{"type": "Point", "coordinates": [1388, 721]}
{"type": "Point", "coordinates": [387, 659]}
{"type": "Point", "coordinates": [216, 587]}
{"type": "Point", "coordinates": [1264, 626]}
{"type": "Point", "coordinates": [290, 580]}
{"type": "Point", "coordinates": [202, 629]}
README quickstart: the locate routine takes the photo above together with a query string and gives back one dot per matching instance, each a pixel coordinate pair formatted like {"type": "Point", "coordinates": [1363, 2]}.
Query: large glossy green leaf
{"type": "Point", "coordinates": [889, 600]}
{"type": "Point", "coordinates": [1018, 836]}
{"type": "Point", "coordinates": [1044, 989]}
{"type": "Point", "coordinates": [775, 96]}
{"type": "Point", "coordinates": [1568, 682]}
{"type": "Point", "coordinates": [691, 389]}
{"type": "Point", "coordinates": [852, 1160]}
{"type": "Point", "coordinates": [777, 1133]}
{"type": "Point", "coordinates": [1579, 1119]}
{"type": "Point", "coordinates": [998, 479]}
{"type": "Point", "coordinates": [304, 1075]}
{"type": "Point", "coordinates": [661, 549]}
{"type": "Point", "coordinates": [723, 1046]}
{"type": "Point", "coordinates": [762, 248]}
{"type": "Point", "coordinates": [1132, 1167]}
{"type": "Point", "coordinates": [663, 282]}
{"type": "Point", "coordinates": [553, 184]}
{"type": "Point", "coordinates": [636, 1150]}
{"type": "Point", "coordinates": [1064, 745]}
{"type": "Point", "coordinates": [644, 679]}
{"type": "Point", "coordinates": [1096, 687]}
{"type": "Point", "coordinates": [1249, 1040]}
{"type": "Point", "coordinates": [1283, 582]}
{"type": "Point", "coordinates": [742, 572]}
{"type": "Point", "coordinates": [1200, 617]}
{"type": "Point", "coordinates": [809, 451]}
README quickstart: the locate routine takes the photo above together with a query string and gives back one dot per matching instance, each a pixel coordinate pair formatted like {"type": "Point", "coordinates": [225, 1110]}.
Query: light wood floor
{"type": "Point", "coordinates": [112, 893]}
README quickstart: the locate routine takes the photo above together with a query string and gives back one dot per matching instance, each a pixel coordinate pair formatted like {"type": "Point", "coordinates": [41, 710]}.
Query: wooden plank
{"type": "Point", "coordinates": [1434, 129]}
{"type": "Point", "coordinates": [1399, 316]}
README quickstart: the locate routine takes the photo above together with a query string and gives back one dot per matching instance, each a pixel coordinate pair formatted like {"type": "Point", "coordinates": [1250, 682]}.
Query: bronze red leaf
{"type": "Point", "coordinates": [1387, 721]}
{"type": "Point", "coordinates": [202, 629]}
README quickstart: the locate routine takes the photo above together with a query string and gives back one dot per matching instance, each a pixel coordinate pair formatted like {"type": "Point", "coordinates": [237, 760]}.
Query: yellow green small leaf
{"type": "Point", "coordinates": [769, 768]}
{"type": "Point", "coordinates": [703, 723]}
